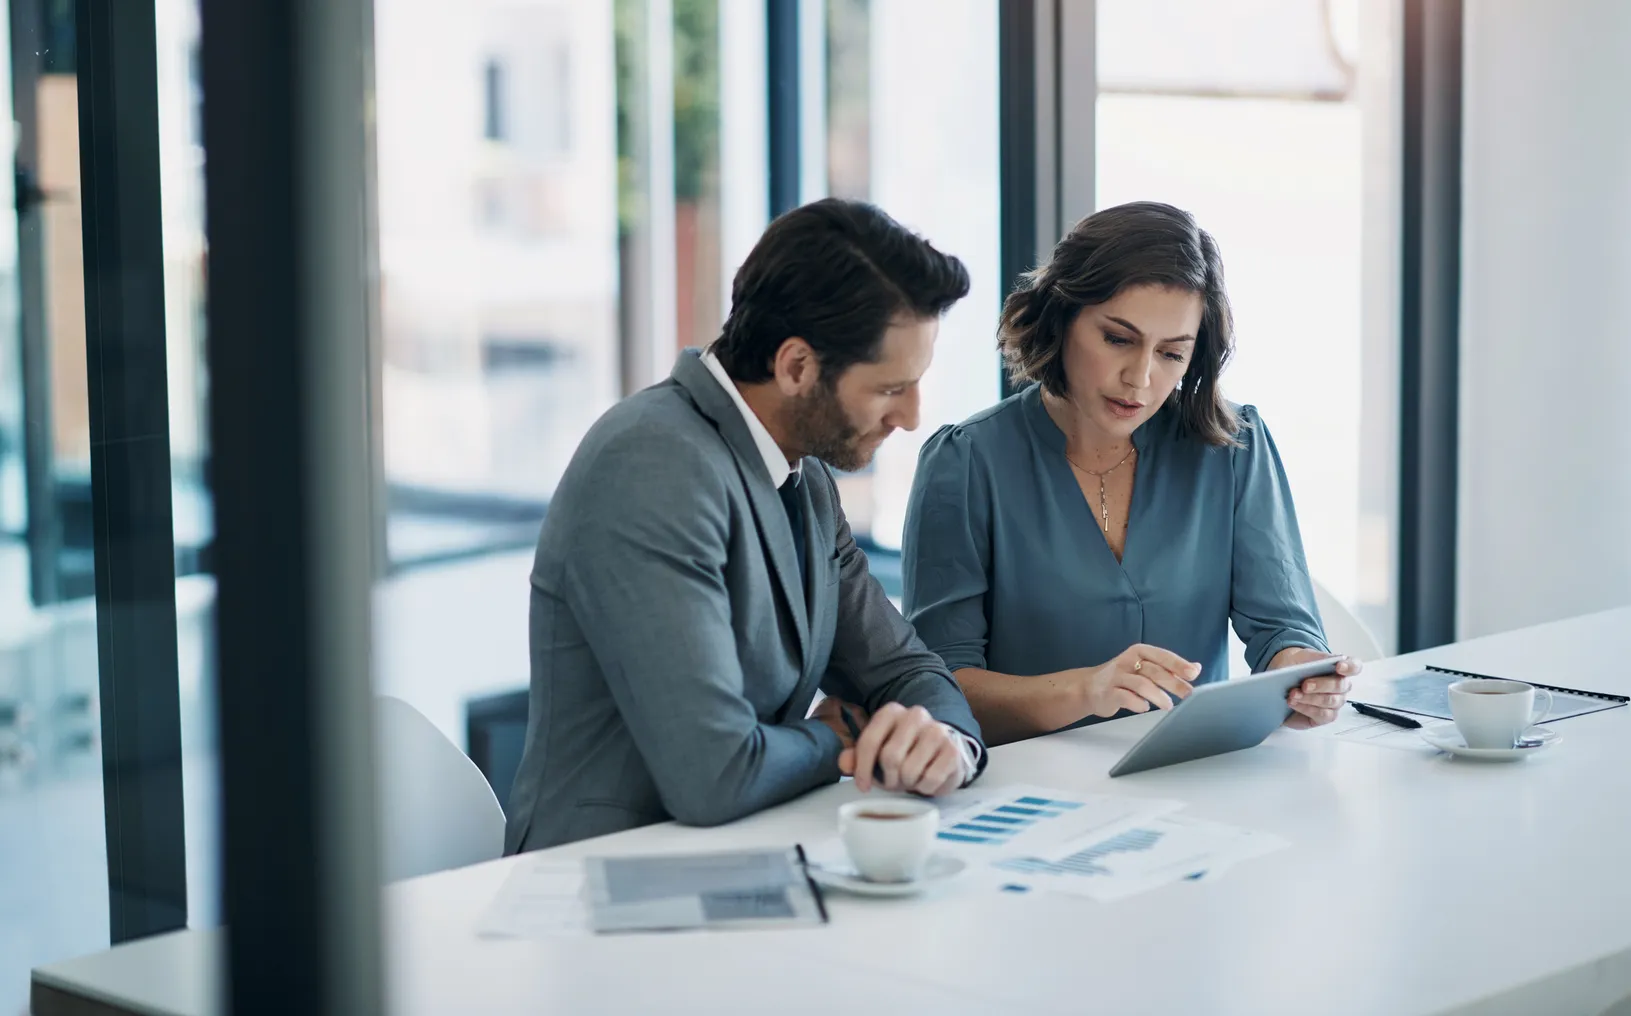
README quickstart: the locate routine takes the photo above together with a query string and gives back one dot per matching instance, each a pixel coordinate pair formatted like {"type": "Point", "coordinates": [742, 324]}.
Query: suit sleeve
{"type": "Point", "coordinates": [647, 584]}
{"type": "Point", "coordinates": [879, 656]}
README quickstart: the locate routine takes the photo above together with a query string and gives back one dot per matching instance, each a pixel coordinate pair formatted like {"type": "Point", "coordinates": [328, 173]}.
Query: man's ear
{"type": "Point", "coordinates": [796, 368]}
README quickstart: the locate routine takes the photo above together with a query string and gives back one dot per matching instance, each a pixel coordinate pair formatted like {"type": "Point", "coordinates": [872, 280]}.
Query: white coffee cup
{"type": "Point", "coordinates": [888, 838]}
{"type": "Point", "coordinates": [1492, 713]}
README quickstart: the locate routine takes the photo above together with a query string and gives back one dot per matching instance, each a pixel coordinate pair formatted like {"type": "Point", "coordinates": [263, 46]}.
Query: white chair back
{"type": "Point", "coordinates": [1344, 632]}
{"type": "Point", "coordinates": [437, 810]}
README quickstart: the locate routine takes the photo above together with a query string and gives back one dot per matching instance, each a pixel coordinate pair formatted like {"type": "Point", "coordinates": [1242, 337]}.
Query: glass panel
{"type": "Point", "coordinates": [498, 261]}
{"type": "Point", "coordinates": [53, 846]}
{"type": "Point", "coordinates": [912, 127]}
{"type": "Point", "coordinates": [507, 331]}
{"type": "Point", "coordinates": [502, 246]}
{"type": "Point", "coordinates": [1281, 145]}
{"type": "Point", "coordinates": [698, 259]}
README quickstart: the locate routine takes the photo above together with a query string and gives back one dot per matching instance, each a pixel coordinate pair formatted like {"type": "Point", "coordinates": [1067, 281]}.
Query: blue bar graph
{"type": "Point", "coordinates": [1005, 821]}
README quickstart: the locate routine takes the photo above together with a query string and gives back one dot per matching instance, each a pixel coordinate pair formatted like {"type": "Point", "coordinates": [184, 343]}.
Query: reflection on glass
{"type": "Point", "coordinates": [53, 848]}
{"type": "Point", "coordinates": [181, 182]}
{"type": "Point", "coordinates": [1264, 141]}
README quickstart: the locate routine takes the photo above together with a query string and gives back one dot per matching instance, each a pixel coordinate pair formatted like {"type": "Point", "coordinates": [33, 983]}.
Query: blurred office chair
{"type": "Point", "coordinates": [495, 733]}
{"type": "Point", "coordinates": [436, 808]}
{"type": "Point", "coordinates": [1344, 632]}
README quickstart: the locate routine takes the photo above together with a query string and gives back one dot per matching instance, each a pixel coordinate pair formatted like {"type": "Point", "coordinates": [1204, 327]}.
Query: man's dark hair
{"type": "Point", "coordinates": [836, 274]}
{"type": "Point", "coordinates": [1140, 244]}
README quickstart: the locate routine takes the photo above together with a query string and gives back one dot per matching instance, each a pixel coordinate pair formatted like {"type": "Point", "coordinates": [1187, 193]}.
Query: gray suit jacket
{"type": "Point", "coordinates": [674, 655]}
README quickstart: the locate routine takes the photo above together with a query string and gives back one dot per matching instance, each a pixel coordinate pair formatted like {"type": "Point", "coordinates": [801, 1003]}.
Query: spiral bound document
{"type": "Point", "coordinates": [1426, 693]}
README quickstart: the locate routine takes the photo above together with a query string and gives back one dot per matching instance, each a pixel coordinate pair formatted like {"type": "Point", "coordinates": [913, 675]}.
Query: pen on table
{"type": "Point", "coordinates": [1383, 714]}
{"type": "Point", "coordinates": [855, 735]}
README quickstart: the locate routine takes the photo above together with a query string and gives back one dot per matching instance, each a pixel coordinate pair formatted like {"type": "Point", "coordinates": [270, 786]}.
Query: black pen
{"type": "Point", "coordinates": [855, 735]}
{"type": "Point", "coordinates": [1382, 714]}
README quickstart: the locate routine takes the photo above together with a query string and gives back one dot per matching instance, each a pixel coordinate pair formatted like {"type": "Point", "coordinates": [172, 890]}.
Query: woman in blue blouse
{"type": "Point", "coordinates": [1079, 549]}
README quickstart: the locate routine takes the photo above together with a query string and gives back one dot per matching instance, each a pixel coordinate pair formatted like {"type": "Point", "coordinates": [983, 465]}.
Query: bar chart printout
{"type": "Point", "coordinates": [1091, 860]}
{"type": "Point", "coordinates": [1003, 821]}
{"type": "Point", "coordinates": [994, 823]}
{"type": "Point", "coordinates": [1168, 849]}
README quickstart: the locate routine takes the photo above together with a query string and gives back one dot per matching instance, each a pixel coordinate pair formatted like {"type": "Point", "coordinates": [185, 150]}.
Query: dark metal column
{"type": "Point", "coordinates": [782, 55]}
{"type": "Point", "coordinates": [286, 129]}
{"type": "Point", "coordinates": [130, 466]}
{"type": "Point", "coordinates": [1017, 139]}
{"type": "Point", "coordinates": [1429, 333]}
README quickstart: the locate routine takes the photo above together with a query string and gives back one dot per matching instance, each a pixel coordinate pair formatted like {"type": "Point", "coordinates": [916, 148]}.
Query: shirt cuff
{"type": "Point", "coordinates": [968, 753]}
{"type": "Point", "coordinates": [1288, 639]}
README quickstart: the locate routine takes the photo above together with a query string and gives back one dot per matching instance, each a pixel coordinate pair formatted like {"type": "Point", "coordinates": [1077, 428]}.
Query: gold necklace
{"type": "Point", "coordinates": [1104, 501]}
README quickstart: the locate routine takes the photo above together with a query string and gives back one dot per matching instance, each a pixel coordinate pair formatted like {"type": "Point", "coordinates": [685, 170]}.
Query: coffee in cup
{"type": "Point", "coordinates": [1494, 713]}
{"type": "Point", "coordinates": [889, 840]}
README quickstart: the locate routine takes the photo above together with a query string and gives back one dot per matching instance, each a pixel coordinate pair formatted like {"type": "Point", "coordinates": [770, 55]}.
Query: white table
{"type": "Point", "coordinates": [1415, 883]}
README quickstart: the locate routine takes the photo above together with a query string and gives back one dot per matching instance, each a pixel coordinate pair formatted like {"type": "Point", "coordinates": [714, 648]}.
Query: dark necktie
{"type": "Point", "coordinates": [794, 504]}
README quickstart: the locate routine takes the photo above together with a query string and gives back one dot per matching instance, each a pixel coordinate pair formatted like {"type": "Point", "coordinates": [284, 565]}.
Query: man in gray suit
{"type": "Point", "coordinates": [696, 580]}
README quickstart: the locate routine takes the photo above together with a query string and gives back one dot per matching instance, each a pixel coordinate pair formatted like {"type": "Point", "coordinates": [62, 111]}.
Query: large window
{"type": "Point", "coordinates": [497, 200]}
{"type": "Point", "coordinates": [565, 192]}
{"type": "Point", "coordinates": [1274, 124]}
{"type": "Point", "coordinates": [911, 88]}
{"type": "Point", "coordinates": [520, 295]}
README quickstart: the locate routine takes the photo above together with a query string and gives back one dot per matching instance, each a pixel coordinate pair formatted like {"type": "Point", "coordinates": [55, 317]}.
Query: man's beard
{"type": "Point", "coordinates": [822, 429]}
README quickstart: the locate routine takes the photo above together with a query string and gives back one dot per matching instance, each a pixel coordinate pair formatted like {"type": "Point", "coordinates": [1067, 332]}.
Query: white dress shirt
{"type": "Point", "coordinates": [779, 469]}
{"type": "Point", "coordinates": [776, 464]}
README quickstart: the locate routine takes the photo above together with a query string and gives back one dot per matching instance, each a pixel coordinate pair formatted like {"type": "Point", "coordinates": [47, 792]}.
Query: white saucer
{"type": "Point", "coordinates": [941, 868]}
{"type": "Point", "coordinates": [1445, 737]}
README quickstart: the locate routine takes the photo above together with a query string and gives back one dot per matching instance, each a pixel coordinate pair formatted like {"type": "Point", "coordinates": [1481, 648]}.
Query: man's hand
{"type": "Point", "coordinates": [917, 753]}
{"type": "Point", "coordinates": [830, 711]}
{"type": "Point", "coordinates": [1317, 700]}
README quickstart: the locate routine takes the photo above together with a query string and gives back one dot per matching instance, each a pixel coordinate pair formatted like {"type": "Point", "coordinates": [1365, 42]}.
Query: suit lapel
{"type": "Point", "coordinates": [717, 405]}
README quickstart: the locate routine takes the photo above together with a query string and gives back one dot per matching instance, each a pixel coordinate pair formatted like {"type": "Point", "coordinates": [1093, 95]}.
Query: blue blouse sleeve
{"type": "Point", "coordinates": [1271, 598]}
{"type": "Point", "coordinates": [946, 551]}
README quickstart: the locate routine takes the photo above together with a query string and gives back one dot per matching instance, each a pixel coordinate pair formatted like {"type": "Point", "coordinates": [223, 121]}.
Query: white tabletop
{"type": "Point", "coordinates": [1415, 883]}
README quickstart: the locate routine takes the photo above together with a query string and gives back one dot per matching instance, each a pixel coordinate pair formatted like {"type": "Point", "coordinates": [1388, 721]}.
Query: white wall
{"type": "Point", "coordinates": [1545, 496]}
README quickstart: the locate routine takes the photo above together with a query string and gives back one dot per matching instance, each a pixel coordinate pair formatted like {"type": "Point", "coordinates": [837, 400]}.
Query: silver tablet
{"type": "Point", "coordinates": [1221, 717]}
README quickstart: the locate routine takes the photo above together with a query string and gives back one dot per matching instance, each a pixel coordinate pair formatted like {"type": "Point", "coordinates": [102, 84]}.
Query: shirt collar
{"type": "Point", "coordinates": [776, 466]}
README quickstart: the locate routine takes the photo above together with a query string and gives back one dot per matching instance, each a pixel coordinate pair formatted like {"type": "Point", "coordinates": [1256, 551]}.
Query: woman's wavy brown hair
{"type": "Point", "coordinates": [1145, 243]}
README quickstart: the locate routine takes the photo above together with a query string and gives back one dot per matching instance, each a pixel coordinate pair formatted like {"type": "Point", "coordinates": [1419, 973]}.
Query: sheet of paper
{"type": "Point", "coordinates": [1168, 849]}
{"type": "Point", "coordinates": [541, 898]}
{"type": "Point", "coordinates": [1352, 726]}
{"type": "Point", "coordinates": [986, 824]}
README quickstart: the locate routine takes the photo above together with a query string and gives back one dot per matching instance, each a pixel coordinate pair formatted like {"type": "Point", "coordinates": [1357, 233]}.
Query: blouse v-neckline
{"type": "Point", "coordinates": [1054, 440]}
